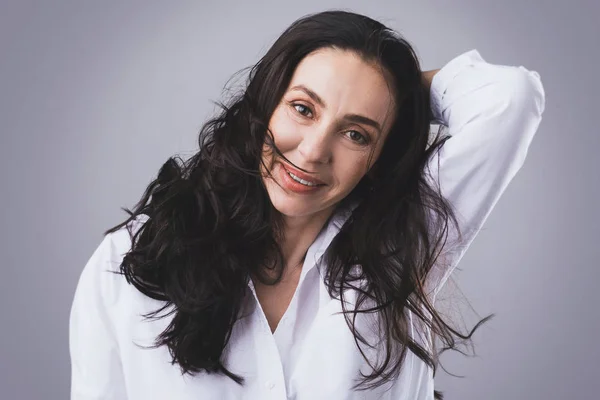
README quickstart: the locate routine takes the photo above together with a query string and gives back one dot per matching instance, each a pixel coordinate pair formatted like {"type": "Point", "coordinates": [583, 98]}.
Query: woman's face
{"type": "Point", "coordinates": [333, 117]}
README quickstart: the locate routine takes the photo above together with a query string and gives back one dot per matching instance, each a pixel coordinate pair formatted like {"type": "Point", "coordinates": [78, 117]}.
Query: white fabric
{"type": "Point", "coordinates": [492, 113]}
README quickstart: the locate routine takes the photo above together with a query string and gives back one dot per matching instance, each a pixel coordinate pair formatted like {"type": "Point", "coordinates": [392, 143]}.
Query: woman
{"type": "Point", "coordinates": [298, 254]}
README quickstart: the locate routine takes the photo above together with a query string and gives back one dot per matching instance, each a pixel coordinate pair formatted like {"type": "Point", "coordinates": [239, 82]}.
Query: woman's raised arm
{"type": "Point", "coordinates": [492, 113]}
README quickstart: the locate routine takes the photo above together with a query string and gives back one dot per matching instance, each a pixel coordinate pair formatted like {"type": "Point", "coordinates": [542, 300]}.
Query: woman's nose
{"type": "Point", "coordinates": [315, 147]}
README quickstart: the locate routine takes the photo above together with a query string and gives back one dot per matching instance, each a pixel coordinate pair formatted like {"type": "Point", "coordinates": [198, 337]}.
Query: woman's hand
{"type": "Point", "coordinates": [427, 77]}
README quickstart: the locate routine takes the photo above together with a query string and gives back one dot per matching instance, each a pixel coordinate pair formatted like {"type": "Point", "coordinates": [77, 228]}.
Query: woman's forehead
{"type": "Point", "coordinates": [344, 82]}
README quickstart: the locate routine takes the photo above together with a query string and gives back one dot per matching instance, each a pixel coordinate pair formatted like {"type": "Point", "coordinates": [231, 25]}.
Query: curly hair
{"type": "Point", "coordinates": [210, 223]}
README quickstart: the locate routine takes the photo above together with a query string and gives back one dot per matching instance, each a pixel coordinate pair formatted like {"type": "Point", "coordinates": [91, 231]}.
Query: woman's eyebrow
{"type": "Point", "coordinates": [356, 118]}
{"type": "Point", "coordinates": [311, 94]}
{"type": "Point", "coordinates": [361, 119]}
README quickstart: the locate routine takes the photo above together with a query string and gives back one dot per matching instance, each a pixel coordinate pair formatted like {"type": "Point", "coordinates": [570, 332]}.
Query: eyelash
{"type": "Point", "coordinates": [365, 139]}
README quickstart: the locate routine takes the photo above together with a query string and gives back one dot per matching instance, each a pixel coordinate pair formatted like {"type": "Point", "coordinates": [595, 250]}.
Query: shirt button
{"type": "Point", "coordinates": [270, 385]}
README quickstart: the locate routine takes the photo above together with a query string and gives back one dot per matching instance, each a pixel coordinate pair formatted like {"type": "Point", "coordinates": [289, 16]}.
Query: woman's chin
{"type": "Point", "coordinates": [291, 208]}
{"type": "Point", "coordinates": [297, 208]}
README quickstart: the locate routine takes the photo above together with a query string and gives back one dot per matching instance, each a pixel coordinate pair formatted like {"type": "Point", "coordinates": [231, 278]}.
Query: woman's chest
{"type": "Point", "coordinates": [312, 356]}
{"type": "Point", "coordinates": [314, 360]}
{"type": "Point", "coordinates": [275, 299]}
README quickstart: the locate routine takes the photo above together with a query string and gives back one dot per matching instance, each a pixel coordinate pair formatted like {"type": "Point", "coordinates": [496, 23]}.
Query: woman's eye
{"type": "Point", "coordinates": [302, 109]}
{"type": "Point", "coordinates": [357, 137]}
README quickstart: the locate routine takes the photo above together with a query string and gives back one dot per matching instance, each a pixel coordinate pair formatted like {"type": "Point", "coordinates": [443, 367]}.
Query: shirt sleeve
{"type": "Point", "coordinates": [492, 113]}
{"type": "Point", "coordinates": [96, 371]}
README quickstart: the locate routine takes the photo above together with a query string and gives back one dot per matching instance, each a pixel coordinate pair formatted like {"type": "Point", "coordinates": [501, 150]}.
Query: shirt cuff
{"type": "Point", "coordinates": [442, 79]}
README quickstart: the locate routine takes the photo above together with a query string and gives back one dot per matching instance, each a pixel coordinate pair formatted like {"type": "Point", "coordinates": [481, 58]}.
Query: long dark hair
{"type": "Point", "coordinates": [209, 223]}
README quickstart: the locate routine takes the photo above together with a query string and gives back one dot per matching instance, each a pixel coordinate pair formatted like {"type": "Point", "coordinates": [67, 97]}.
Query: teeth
{"type": "Point", "coordinates": [302, 181]}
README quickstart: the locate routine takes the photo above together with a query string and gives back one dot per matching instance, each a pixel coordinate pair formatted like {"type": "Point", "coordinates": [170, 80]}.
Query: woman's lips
{"type": "Point", "coordinates": [303, 175]}
{"type": "Point", "coordinates": [289, 183]}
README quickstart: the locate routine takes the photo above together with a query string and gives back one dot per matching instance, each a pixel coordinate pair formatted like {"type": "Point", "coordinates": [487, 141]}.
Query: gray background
{"type": "Point", "coordinates": [95, 96]}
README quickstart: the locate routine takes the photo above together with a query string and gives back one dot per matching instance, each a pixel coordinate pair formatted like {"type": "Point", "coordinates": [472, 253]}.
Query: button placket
{"type": "Point", "coordinates": [273, 380]}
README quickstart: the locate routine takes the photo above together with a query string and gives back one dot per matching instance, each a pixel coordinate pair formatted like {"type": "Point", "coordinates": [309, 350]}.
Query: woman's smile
{"type": "Point", "coordinates": [296, 184]}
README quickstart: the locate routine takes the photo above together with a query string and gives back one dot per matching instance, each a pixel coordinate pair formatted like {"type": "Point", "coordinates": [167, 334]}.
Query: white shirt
{"type": "Point", "coordinates": [492, 113]}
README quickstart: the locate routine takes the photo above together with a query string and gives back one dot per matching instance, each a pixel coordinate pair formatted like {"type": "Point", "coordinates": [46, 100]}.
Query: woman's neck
{"type": "Point", "coordinates": [299, 234]}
